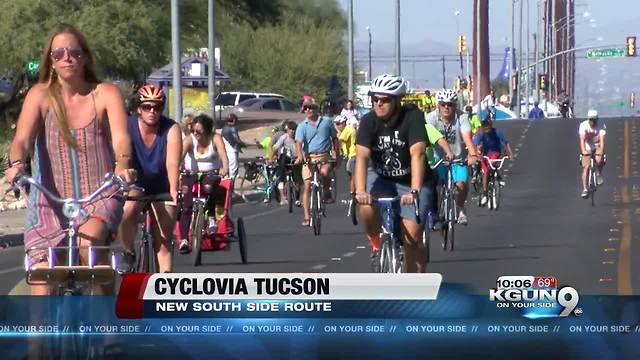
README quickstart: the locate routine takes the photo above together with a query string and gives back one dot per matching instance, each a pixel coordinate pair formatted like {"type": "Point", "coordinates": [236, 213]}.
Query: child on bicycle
{"type": "Point", "coordinates": [283, 153]}
{"type": "Point", "coordinates": [491, 142]}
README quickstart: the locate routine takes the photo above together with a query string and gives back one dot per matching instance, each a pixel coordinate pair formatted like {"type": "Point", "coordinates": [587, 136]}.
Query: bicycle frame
{"type": "Point", "coordinates": [493, 185]}
{"type": "Point", "coordinates": [391, 247]}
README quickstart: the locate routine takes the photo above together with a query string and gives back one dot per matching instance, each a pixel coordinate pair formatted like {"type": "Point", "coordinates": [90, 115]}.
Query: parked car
{"type": "Point", "coordinates": [233, 98]}
{"type": "Point", "coordinates": [265, 109]}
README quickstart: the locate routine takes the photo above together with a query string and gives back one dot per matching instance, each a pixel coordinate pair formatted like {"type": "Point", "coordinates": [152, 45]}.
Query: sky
{"type": "Point", "coordinates": [430, 27]}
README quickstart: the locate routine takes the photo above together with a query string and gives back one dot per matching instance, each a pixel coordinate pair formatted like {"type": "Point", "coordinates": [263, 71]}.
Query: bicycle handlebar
{"type": "Point", "coordinates": [492, 161]}
{"type": "Point", "coordinates": [353, 201]}
{"type": "Point", "coordinates": [110, 180]}
{"type": "Point", "coordinates": [444, 162]}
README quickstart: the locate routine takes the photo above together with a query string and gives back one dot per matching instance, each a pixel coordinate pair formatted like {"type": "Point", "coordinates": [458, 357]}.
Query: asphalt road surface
{"type": "Point", "coordinates": [543, 227]}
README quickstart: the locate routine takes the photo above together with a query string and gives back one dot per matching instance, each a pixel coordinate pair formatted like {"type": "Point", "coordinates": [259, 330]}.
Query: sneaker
{"type": "Point", "coordinates": [599, 179]}
{"type": "Point", "coordinates": [585, 193]}
{"type": "Point", "coordinates": [462, 218]}
{"type": "Point", "coordinates": [375, 261]}
{"type": "Point", "coordinates": [184, 246]}
{"type": "Point", "coordinates": [298, 203]}
{"type": "Point", "coordinates": [265, 200]}
{"type": "Point", "coordinates": [484, 200]}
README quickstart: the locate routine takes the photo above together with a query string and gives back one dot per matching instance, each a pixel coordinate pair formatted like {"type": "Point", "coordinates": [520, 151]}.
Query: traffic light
{"type": "Point", "coordinates": [462, 44]}
{"type": "Point", "coordinates": [543, 82]}
{"type": "Point", "coordinates": [631, 46]}
{"type": "Point", "coordinates": [632, 99]}
{"type": "Point", "coordinates": [32, 67]}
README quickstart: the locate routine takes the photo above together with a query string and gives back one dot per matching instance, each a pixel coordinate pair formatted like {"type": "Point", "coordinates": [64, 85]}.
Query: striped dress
{"type": "Point", "coordinates": [69, 172]}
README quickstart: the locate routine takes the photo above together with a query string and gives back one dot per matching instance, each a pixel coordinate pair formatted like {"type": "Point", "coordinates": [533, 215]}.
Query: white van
{"type": "Point", "coordinates": [233, 98]}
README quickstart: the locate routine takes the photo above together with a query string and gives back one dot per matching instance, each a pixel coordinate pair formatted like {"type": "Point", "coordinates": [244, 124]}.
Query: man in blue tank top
{"type": "Point", "coordinates": [157, 153]}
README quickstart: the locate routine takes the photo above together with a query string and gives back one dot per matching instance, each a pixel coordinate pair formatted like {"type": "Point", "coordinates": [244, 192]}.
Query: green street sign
{"type": "Point", "coordinates": [611, 52]}
{"type": "Point", "coordinates": [32, 67]}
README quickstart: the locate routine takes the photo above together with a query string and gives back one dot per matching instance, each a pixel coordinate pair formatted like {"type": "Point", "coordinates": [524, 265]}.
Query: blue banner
{"type": "Point", "coordinates": [457, 324]}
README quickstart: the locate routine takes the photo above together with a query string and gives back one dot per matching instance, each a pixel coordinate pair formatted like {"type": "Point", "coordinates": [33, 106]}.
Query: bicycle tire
{"type": "Point", "coordinates": [197, 224]}
{"type": "Point", "coordinates": [386, 261]}
{"type": "Point", "coordinates": [143, 253]}
{"type": "Point", "coordinates": [592, 187]}
{"type": "Point", "coordinates": [496, 194]}
{"type": "Point", "coordinates": [426, 241]}
{"type": "Point", "coordinates": [490, 195]}
{"type": "Point", "coordinates": [242, 240]}
{"type": "Point", "coordinates": [453, 211]}
{"type": "Point", "coordinates": [290, 196]}
{"type": "Point", "coordinates": [316, 216]}
{"type": "Point", "coordinates": [444, 207]}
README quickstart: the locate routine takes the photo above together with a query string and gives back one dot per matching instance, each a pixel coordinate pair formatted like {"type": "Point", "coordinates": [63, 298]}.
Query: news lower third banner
{"type": "Point", "coordinates": [295, 316]}
{"type": "Point", "coordinates": [272, 295]}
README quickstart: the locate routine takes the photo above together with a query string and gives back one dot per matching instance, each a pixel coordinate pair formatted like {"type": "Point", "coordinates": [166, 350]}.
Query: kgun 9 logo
{"type": "Point", "coordinates": [567, 297]}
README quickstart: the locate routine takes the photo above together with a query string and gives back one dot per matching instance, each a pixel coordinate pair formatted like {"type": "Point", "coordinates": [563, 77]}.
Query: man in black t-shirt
{"type": "Point", "coordinates": [390, 161]}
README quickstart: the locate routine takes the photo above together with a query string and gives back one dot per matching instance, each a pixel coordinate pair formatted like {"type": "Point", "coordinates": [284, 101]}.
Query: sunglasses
{"type": "Point", "coordinates": [57, 54]}
{"type": "Point", "coordinates": [308, 108]}
{"type": "Point", "coordinates": [198, 132]}
{"type": "Point", "coordinates": [448, 104]}
{"type": "Point", "coordinates": [149, 107]}
{"type": "Point", "coordinates": [385, 100]}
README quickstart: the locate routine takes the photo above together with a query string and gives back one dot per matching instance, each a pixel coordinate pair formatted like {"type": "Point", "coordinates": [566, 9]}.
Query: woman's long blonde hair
{"type": "Point", "coordinates": [49, 77]}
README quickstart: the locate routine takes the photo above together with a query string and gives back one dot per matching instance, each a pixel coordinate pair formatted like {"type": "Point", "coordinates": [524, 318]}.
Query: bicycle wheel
{"type": "Point", "coordinates": [242, 240]}
{"type": "Point", "coordinates": [197, 224]}
{"type": "Point", "coordinates": [453, 218]}
{"type": "Point", "coordinates": [291, 196]}
{"type": "Point", "coordinates": [496, 193]}
{"type": "Point", "coordinates": [334, 185]}
{"type": "Point", "coordinates": [592, 185]}
{"type": "Point", "coordinates": [444, 208]}
{"type": "Point", "coordinates": [316, 215]}
{"type": "Point", "coordinates": [386, 260]}
{"type": "Point", "coordinates": [426, 240]}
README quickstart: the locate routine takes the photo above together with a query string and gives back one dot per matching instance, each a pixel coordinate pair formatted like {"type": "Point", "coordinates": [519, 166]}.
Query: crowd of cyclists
{"type": "Point", "coordinates": [73, 129]}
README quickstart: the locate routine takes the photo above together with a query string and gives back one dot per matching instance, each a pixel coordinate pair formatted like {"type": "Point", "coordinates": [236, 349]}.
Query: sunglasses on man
{"type": "Point", "coordinates": [447, 104]}
{"type": "Point", "coordinates": [384, 100]}
{"type": "Point", "coordinates": [149, 107]}
{"type": "Point", "coordinates": [305, 108]}
{"type": "Point", "coordinates": [57, 54]}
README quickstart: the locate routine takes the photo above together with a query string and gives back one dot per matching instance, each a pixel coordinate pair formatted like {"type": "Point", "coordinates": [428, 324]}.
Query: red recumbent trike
{"type": "Point", "coordinates": [207, 189]}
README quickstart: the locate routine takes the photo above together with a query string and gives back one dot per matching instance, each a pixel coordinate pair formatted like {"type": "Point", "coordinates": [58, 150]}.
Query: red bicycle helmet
{"type": "Point", "coordinates": [151, 93]}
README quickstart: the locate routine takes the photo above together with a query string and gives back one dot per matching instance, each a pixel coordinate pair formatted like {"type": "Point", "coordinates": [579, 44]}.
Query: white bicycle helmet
{"type": "Point", "coordinates": [340, 119]}
{"type": "Point", "coordinates": [592, 114]}
{"type": "Point", "coordinates": [447, 96]}
{"type": "Point", "coordinates": [388, 85]}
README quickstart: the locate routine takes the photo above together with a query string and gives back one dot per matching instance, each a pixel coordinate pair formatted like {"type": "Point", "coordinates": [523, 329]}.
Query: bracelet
{"type": "Point", "coordinates": [415, 192]}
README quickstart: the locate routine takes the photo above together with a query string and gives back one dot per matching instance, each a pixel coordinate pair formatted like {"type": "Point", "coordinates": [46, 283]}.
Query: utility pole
{"type": "Point", "coordinates": [512, 53]}
{"type": "Point", "coordinates": [528, 87]}
{"type": "Point", "coordinates": [177, 63]}
{"type": "Point", "coordinates": [211, 76]}
{"type": "Point", "coordinates": [518, 97]}
{"type": "Point", "coordinates": [398, 71]}
{"type": "Point", "coordinates": [350, 39]}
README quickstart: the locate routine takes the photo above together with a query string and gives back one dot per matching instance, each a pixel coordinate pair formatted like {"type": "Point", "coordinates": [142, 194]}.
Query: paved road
{"type": "Point", "coordinates": [542, 228]}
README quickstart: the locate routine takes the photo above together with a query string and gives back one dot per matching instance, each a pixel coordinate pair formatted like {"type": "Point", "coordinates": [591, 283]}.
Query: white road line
{"type": "Point", "coordinates": [336, 259]}
{"type": "Point", "coordinates": [318, 267]}
{"type": "Point", "coordinates": [10, 270]}
{"type": "Point", "coordinates": [361, 247]}
{"type": "Point", "coordinates": [253, 216]}
{"type": "Point", "coordinates": [349, 254]}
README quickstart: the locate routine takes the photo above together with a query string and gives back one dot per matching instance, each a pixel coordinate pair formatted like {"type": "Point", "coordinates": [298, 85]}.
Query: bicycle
{"type": "Point", "coordinates": [448, 210]}
{"type": "Point", "coordinates": [592, 175]}
{"type": "Point", "coordinates": [202, 233]}
{"type": "Point", "coordinates": [258, 178]}
{"type": "Point", "coordinates": [391, 250]}
{"type": "Point", "coordinates": [290, 186]}
{"type": "Point", "coordinates": [494, 183]}
{"type": "Point", "coordinates": [68, 277]}
{"type": "Point", "coordinates": [145, 244]}
{"type": "Point", "coordinates": [317, 206]}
